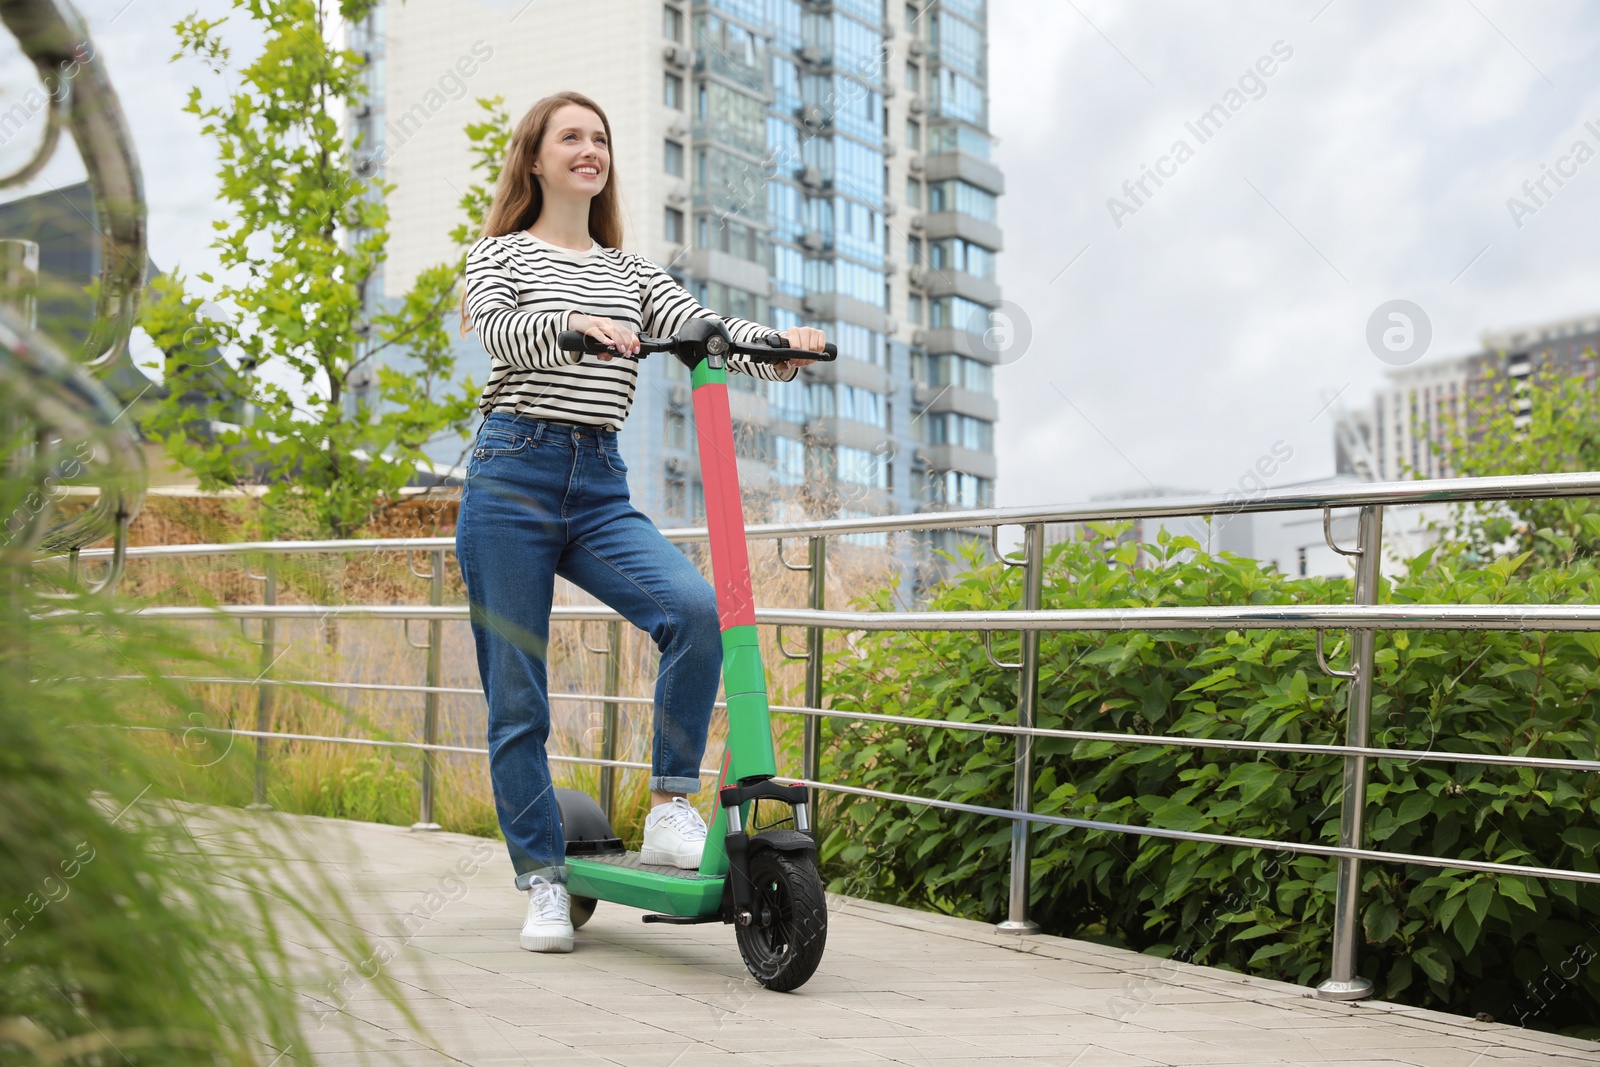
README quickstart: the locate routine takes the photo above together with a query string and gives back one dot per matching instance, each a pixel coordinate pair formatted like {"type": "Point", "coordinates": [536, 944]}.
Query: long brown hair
{"type": "Point", "coordinates": [518, 199]}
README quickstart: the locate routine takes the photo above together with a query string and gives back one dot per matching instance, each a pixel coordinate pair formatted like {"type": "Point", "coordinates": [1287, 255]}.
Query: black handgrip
{"type": "Point", "coordinates": [573, 341]}
{"type": "Point", "coordinates": [830, 351]}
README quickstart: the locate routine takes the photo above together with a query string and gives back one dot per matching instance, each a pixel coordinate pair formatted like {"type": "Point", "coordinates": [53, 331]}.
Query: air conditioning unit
{"type": "Point", "coordinates": [677, 465]}
{"type": "Point", "coordinates": [890, 266]}
{"type": "Point", "coordinates": [915, 47]}
{"type": "Point", "coordinates": [365, 166]}
{"type": "Point", "coordinates": [678, 397]}
{"type": "Point", "coordinates": [815, 116]}
{"type": "Point", "coordinates": [914, 164]}
{"type": "Point", "coordinates": [888, 90]}
{"type": "Point", "coordinates": [918, 277]}
{"type": "Point", "coordinates": [915, 105]}
{"type": "Point", "coordinates": [678, 129]}
{"type": "Point", "coordinates": [813, 241]}
{"type": "Point", "coordinates": [675, 55]}
{"type": "Point", "coordinates": [890, 326]}
{"type": "Point", "coordinates": [889, 208]}
{"type": "Point", "coordinates": [810, 305]}
{"type": "Point", "coordinates": [919, 338]}
{"type": "Point", "coordinates": [813, 55]}
{"type": "Point", "coordinates": [677, 196]}
{"type": "Point", "coordinates": [915, 222]}
{"type": "Point", "coordinates": [811, 177]}
{"type": "Point", "coordinates": [364, 111]}
{"type": "Point", "coordinates": [888, 150]}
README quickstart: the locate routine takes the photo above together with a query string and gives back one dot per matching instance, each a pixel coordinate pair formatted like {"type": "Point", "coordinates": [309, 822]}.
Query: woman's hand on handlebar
{"type": "Point", "coordinates": [805, 339]}
{"type": "Point", "coordinates": [610, 332]}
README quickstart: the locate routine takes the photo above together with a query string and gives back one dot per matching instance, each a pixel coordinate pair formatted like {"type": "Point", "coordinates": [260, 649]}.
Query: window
{"type": "Point", "coordinates": [788, 461]}
{"type": "Point", "coordinates": [913, 78]}
{"type": "Point", "coordinates": [913, 251]}
{"type": "Point", "coordinates": [914, 309]}
{"type": "Point", "coordinates": [913, 14]}
{"type": "Point", "coordinates": [959, 313]}
{"type": "Point", "coordinates": [863, 405]}
{"type": "Point", "coordinates": [954, 254]}
{"type": "Point", "coordinates": [958, 489]}
{"type": "Point", "coordinates": [671, 23]}
{"type": "Point", "coordinates": [786, 401]}
{"type": "Point", "coordinates": [673, 226]}
{"type": "Point", "coordinates": [960, 372]}
{"type": "Point", "coordinates": [963, 431]}
{"type": "Point", "coordinates": [673, 158]}
{"type": "Point", "coordinates": [677, 430]}
{"type": "Point", "coordinates": [857, 466]}
{"type": "Point", "coordinates": [677, 497]}
{"type": "Point", "coordinates": [913, 135]}
{"type": "Point", "coordinates": [913, 192]}
{"type": "Point", "coordinates": [956, 195]}
{"type": "Point", "coordinates": [672, 91]}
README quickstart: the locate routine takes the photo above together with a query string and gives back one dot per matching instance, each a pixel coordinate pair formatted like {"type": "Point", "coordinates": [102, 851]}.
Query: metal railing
{"type": "Point", "coordinates": [62, 399]}
{"type": "Point", "coordinates": [1364, 617]}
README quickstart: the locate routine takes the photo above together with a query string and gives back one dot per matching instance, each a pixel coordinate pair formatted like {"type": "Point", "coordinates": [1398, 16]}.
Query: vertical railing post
{"type": "Point", "coordinates": [430, 699]}
{"type": "Point", "coordinates": [1017, 920]}
{"type": "Point", "coordinates": [608, 718]}
{"type": "Point", "coordinates": [1344, 983]}
{"type": "Point", "coordinates": [269, 597]}
{"type": "Point", "coordinates": [811, 735]}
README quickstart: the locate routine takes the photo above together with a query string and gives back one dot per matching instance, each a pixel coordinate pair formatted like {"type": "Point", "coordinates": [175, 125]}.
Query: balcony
{"type": "Point", "coordinates": [960, 283]}
{"type": "Point", "coordinates": [934, 399]}
{"type": "Point", "coordinates": [969, 169]}
{"type": "Point", "coordinates": [956, 458]}
{"type": "Point", "coordinates": [939, 224]}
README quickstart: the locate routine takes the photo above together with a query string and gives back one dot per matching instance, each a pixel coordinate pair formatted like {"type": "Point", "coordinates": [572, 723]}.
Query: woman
{"type": "Point", "coordinates": [546, 491]}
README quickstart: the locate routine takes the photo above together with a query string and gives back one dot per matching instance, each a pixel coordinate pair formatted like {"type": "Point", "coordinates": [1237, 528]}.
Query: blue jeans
{"type": "Point", "coordinates": [547, 498]}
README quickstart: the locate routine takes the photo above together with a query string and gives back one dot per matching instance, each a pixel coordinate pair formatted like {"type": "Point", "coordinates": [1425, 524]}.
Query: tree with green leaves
{"type": "Point", "coordinates": [1560, 433]}
{"type": "Point", "coordinates": [305, 244]}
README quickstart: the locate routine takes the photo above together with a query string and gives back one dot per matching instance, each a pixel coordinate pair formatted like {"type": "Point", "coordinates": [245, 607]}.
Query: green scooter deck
{"type": "Point", "coordinates": [622, 878]}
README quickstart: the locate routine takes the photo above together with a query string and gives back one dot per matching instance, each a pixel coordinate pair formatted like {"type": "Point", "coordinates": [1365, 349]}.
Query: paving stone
{"type": "Point", "coordinates": [895, 987]}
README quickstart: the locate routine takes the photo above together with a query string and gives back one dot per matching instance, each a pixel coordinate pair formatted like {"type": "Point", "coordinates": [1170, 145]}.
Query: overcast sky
{"type": "Point", "coordinates": [1231, 304]}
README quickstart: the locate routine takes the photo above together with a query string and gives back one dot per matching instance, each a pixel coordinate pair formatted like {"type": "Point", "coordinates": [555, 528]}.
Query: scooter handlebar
{"type": "Point", "coordinates": [775, 351]}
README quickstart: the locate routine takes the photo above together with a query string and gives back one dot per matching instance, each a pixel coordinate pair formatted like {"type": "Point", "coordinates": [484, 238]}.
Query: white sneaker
{"type": "Point", "coordinates": [548, 927]}
{"type": "Point", "coordinates": [674, 835]}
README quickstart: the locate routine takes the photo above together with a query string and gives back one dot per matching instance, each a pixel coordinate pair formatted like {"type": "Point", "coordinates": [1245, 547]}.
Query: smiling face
{"type": "Point", "coordinates": [575, 155]}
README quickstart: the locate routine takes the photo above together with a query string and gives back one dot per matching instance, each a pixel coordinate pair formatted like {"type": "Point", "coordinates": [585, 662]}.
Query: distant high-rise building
{"type": "Point", "coordinates": [1413, 416]}
{"type": "Point", "coordinates": [790, 161]}
{"type": "Point", "coordinates": [1566, 348]}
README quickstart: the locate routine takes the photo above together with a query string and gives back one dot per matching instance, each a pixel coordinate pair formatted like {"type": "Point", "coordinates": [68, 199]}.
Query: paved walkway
{"type": "Point", "coordinates": [895, 987]}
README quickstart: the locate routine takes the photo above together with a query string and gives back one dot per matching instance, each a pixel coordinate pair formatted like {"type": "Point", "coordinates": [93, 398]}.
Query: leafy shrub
{"type": "Point", "coordinates": [1520, 949]}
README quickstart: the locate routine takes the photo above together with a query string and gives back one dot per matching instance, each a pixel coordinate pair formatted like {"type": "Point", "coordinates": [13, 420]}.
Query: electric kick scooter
{"type": "Point", "coordinates": [762, 881]}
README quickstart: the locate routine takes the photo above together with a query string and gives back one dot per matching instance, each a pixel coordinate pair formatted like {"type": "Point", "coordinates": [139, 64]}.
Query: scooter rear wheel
{"type": "Point", "coordinates": [783, 945]}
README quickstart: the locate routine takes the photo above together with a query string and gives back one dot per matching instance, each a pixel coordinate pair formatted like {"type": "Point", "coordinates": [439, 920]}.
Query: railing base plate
{"type": "Point", "coordinates": [1026, 926]}
{"type": "Point", "coordinates": [426, 826]}
{"type": "Point", "coordinates": [1354, 989]}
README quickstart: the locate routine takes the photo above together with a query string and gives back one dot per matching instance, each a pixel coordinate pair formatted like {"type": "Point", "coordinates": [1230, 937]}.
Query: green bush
{"type": "Point", "coordinates": [1520, 949]}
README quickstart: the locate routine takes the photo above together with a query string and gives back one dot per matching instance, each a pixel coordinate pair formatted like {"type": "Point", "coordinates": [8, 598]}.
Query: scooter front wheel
{"type": "Point", "coordinates": [783, 944]}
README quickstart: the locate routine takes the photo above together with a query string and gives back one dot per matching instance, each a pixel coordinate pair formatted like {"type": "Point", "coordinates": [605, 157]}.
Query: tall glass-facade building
{"type": "Point", "coordinates": [790, 161]}
{"type": "Point", "coordinates": [840, 178]}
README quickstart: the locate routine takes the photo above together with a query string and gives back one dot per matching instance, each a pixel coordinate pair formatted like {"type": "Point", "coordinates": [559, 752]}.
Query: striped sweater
{"type": "Point", "coordinates": [521, 292]}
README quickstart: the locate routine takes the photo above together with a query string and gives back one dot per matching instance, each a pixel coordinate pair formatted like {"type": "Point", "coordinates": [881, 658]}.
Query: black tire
{"type": "Point", "coordinates": [581, 909]}
{"type": "Point", "coordinates": [783, 946]}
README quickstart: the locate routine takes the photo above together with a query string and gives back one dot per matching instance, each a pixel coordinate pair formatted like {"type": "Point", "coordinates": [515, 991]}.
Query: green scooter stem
{"type": "Point", "coordinates": [749, 748]}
